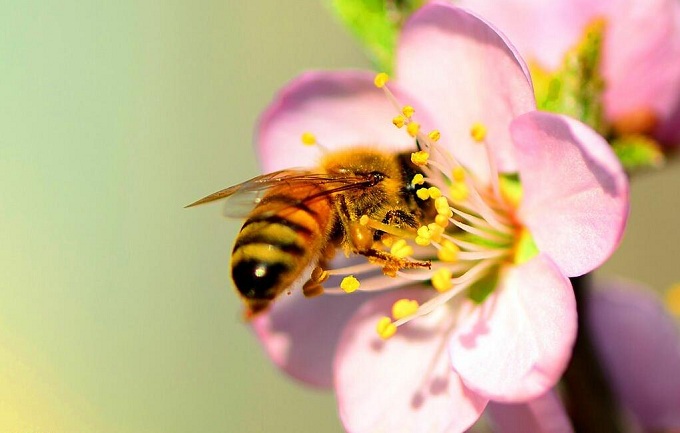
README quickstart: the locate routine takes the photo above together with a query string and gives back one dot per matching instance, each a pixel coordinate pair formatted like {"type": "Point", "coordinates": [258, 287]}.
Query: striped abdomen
{"type": "Point", "coordinates": [281, 237]}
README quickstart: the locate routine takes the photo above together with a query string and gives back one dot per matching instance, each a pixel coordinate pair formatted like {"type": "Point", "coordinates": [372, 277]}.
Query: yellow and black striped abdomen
{"type": "Point", "coordinates": [280, 238]}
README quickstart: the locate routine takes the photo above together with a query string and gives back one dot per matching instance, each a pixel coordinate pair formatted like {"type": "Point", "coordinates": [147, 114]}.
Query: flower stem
{"type": "Point", "coordinates": [588, 397]}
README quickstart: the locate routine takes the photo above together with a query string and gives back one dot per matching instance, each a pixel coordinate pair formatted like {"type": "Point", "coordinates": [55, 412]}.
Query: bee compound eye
{"type": "Point", "coordinates": [256, 279]}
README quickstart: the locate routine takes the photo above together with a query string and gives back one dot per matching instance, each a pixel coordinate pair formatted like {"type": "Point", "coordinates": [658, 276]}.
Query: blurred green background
{"type": "Point", "coordinates": [116, 310]}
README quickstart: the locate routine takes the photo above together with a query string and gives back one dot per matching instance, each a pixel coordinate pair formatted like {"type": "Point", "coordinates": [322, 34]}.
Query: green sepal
{"type": "Point", "coordinates": [638, 151]}
{"type": "Point", "coordinates": [525, 248]}
{"type": "Point", "coordinates": [482, 288]}
{"type": "Point", "coordinates": [376, 23]}
{"type": "Point", "coordinates": [576, 88]}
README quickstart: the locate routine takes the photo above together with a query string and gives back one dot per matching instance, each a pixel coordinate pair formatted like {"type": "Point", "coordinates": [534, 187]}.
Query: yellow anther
{"type": "Point", "coordinates": [443, 220]}
{"type": "Point", "coordinates": [448, 252]}
{"type": "Point", "coordinates": [422, 241]}
{"type": "Point", "coordinates": [349, 284]}
{"type": "Point", "coordinates": [478, 132]}
{"type": "Point", "coordinates": [381, 79]}
{"type": "Point", "coordinates": [385, 328]}
{"type": "Point", "coordinates": [436, 231]}
{"type": "Point", "coordinates": [401, 249]}
{"type": "Point", "coordinates": [420, 157]}
{"type": "Point", "coordinates": [364, 220]}
{"type": "Point", "coordinates": [673, 299]}
{"type": "Point", "coordinates": [458, 174]}
{"type": "Point", "coordinates": [435, 192]}
{"type": "Point", "coordinates": [434, 135]}
{"type": "Point", "coordinates": [413, 128]}
{"type": "Point", "coordinates": [458, 192]}
{"type": "Point", "coordinates": [308, 139]}
{"type": "Point", "coordinates": [404, 308]}
{"type": "Point", "coordinates": [418, 179]}
{"type": "Point", "coordinates": [441, 280]}
{"type": "Point", "coordinates": [408, 110]}
{"type": "Point", "coordinates": [442, 205]}
{"type": "Point", "coordinates": [399, 121]}
{"type": "Point", "coordinates": [423, 193]}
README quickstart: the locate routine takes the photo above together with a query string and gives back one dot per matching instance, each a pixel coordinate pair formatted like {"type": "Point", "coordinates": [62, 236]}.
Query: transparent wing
{"type": "Point", "coordinates": [241, 198]}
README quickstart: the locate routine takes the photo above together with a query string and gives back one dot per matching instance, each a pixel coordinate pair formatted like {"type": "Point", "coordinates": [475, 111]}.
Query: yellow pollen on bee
{"type": "Point", "coordinates": [418, 179]}
{"type": "Point", "coordinates": [458, 192]}
{"type": "Point", "coordinates": [349, 284]}
{"type": "Point", "coordinates": [420, 158]}
{"type": "Point", "coordinates": [404, 308]}
{"type": "Point", "coordinates": [381, 79]}
{"type": "Point", "coordinates": [399, 121]}
{"type": "Point", "coordinates": [385, 328]}
{"type": "Point", "coordinates": [308, 139]}
{"type": "Point", "coordinates": [364, 220]}
{"type": "Point", "coordinates": [478, 132]}
{"type": "Point", "coordinates": [387, 240]}
{"type": "Point", "coordinates": [408, 111]}
{"type": "Point", "coordinates": [448, 252]}
{"type": "Point", "coordinates": [413, 128]}
{"type": "Point", "coordinates": [441, 280]}
{"type": "Point", "coordinates": [458, 174]}
{"type": "Point", "coordinates": [401, 249]}
{"type": "Point", "coordinates": [435, 135]}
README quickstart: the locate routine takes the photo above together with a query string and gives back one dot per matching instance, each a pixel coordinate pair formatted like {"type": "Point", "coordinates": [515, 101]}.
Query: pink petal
{"type": "Point", "coordinates": [300, 335]}
{"type": "Point", "coordinates": [466, 73]}
{"type": "Point", "coordinates": [575, 200]}
{"type": "Point", "coordinates": [545, 414]}
{"type": "Point", "coordinates": [340, 108]}
{"type": "Point", "coordinates": [402, 384]}
{"type": "Point", "coordinates": [640, 346]}
{"type": "Point", "coordinates": [516, 345]}
{"type": "Point", "coordinates": [632, 57]}
{"type": "Point", "coordinates": [546, 30]}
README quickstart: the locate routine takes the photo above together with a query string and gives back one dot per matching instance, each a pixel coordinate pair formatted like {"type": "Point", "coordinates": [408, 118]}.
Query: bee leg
{"type": "Point", "coordinates": [391, 263]}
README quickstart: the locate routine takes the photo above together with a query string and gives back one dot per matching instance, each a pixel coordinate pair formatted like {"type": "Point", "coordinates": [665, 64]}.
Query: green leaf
{"type": "Point", "coordinates": [638, 151]}
{"type": "Point", "coordinates": [576, 88]}
{"type": "Point", "coordinates": [376, 23]}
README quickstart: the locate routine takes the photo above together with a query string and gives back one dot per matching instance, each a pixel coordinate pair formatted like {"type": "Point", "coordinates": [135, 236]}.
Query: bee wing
{"type": "Point", "coordinates": [244, 196]}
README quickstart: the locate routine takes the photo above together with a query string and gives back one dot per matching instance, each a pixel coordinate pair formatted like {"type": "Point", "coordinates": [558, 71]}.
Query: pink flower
{"type": "Point", "coordinates": [640, 59]}
{"type": "Point", "coordinates": [452, 354]}
{"type": "Point", "coordinates": [639, 346]}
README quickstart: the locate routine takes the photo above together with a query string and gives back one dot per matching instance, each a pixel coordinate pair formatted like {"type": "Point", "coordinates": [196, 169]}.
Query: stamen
{"type": "Point", "coordinates": [448, 251]}
{"type": "Point", "coordinates": [413, 128]}
{"type": "Point", "coordinates": [478, 132]}
{"type": "Point", "coordinates": [349, 284]}
{"type": "Point", "coordinates": [434, 135]}
{"type": "Point", "coordinates": [308, 139]}
{"type": "Point", "coordinates": [441, 280]}
{"type": "Point", "coordinates": [385, 328]}
{"type": "Point", "coordinates": [404, 308]}
{"type": "Point", "coordinates": [420, 158]}
{"type": "Point", "coordinates": [401, 249]}
{"type": "Point", "coordinates": [399, 121]}
{"type": "Point", "coordinates": [381, 79]}
{"type": "Point", "coordinates": [418, 179]}
{"type": "Point", "coordinates": [408, 111]}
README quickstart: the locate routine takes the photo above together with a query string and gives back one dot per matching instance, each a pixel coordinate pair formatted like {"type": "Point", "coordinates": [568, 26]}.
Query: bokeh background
{"type": "Point", "coordinates": [116, 309]}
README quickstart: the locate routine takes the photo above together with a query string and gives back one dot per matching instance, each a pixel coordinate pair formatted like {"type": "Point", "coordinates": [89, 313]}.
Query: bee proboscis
{"type": "Point", "coordinates": [300, 217]}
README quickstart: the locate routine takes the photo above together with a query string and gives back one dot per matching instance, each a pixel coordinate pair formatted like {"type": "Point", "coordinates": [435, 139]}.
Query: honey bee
{"type": "Point", "coordinates": [301, 217]}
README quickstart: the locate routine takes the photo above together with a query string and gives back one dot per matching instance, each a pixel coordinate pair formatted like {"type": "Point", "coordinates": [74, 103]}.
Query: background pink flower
{"type": "Point", "coordinates": [641, 50]}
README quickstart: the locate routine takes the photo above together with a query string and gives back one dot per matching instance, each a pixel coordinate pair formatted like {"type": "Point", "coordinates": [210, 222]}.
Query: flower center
{"type": "Point", "coordinates": [468, 239]}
